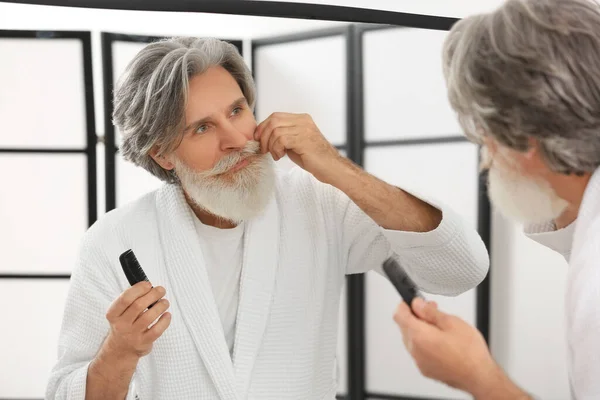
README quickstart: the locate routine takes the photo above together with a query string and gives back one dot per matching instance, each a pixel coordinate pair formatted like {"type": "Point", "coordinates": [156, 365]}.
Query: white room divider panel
{"type": "Point", "coordinates": [404, 85]}
{"type": "Point", "coordinates": [447, 172]}
{"type": "Point", "coordinates": [42, 93]}
{"type": "Point", "coordinates": [31, 323]}
{"type": "Point", "coordinates": [43, 211]}
{"type": "Point", "coordinates": [42, 152]}
{"type": "Point", "coordinates": [305, 77]}
{"type": "Point", "coordinates": [412, 140]}
{"type": "Point", "coordinates": [305, 73]}
{"type": "Point", "coordinates": [48, 172]}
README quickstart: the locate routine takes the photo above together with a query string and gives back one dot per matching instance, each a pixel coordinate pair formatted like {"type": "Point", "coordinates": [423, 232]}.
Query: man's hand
{"type": "Point", "coordinates": [130, 316]}
{"type": "Point", "coordinates": [110, 372]}
{"type": "Point", "coordinates": [391, 208]}
{"type": "Point", "coordinates": [298, 136]}
{"type": "Point", "coordinates": [447, 349]}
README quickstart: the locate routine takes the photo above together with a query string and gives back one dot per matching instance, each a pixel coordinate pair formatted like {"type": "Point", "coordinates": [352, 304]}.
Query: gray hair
{"type": "Point", "coordinates": [530, 69]}
{"type": "Point", "coordinates": [151, 96]}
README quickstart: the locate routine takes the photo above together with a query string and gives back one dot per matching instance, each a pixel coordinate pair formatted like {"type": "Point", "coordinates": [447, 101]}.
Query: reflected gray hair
{"type": "Point", "coordinates": [151, 96]}
{"type": "Point", "coordinates": [530, 69]}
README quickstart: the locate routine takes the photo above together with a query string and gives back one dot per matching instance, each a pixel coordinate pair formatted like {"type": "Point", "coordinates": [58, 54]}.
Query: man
{"type": "Point", "coordinates": [525, 83]}
{"type": "Point", "coordinates": [249, 260]}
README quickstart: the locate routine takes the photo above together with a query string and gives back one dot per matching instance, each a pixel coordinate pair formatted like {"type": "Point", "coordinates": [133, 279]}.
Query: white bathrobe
{"type": "Point", "coordinates": [296, 257]}
{"type": "Point", "coordinates": [579, 243]}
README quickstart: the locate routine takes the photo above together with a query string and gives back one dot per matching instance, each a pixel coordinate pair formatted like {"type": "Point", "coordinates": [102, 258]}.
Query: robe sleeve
{"type": "Point", "coordinates": [547, 235]}
{"type": "Point", "coordinates": [93, 287]}
{"type": "Point", "coordinates": [449, 260]}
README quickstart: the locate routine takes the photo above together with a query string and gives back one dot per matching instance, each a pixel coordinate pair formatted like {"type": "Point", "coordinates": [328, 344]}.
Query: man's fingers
{"type": "Point", "coordinates": [277, 139]}
{"type": "Point", "coordinates": [272, 121]}
{"type": "Point", "coordinates": [142, 303]}
{"type": "Point", "coordinates": [282, 143]}
{"type": "Point", "coordinates": [410, 325]}
{"type": "Point", "coordinates": [157, 329]}
{"type": "Point", "coordinates": [260, 127]}
{"type": "Point", "coordinates": [118, 307]}
{"type": "Point", "coordinates": [149, 316]}
{"type": "Point", "coordinates": [428, 311]}
{"type": "Point", "coordinates": [404, 317]}
{"type": "Point", "coordinates": [273, 127]}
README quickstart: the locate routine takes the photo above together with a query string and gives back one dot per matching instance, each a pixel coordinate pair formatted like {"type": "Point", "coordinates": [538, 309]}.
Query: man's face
{"type": "Point", "coordinates": [218, 162]}
{"type": "Point", "coordinates": [517, 187]}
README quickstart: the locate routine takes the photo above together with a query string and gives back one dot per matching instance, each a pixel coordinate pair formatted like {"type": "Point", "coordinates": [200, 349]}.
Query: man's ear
{"type": "Point", "coordinates": [532, 157]}
{"type": "Point", "coordinates": [161, 160]}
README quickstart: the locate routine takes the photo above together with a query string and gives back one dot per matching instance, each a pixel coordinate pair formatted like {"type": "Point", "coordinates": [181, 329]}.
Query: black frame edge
{"type": "Point", "coordinates": [387, 396]}
{"type": "Point", "coordinates": [36, 276]}
{"type": "Point", "coordinates": [106, 40]}
{"type": "Point", "coordinates": [484, 228]}
{"type": "Point", "coordinates": [275, 9]}
{"type": "Point", "coordinates": [300, 36]}
{"type": "Point", "coordinates": [91, 137]}
{"type": "Point", "coordinates": [356, 301]}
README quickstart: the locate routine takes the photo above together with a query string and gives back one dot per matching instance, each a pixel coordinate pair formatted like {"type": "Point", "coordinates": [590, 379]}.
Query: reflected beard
{"type": "Point", "coordinates": [231, 195]}
{"type": "Point", "coordinates": [524, 199]}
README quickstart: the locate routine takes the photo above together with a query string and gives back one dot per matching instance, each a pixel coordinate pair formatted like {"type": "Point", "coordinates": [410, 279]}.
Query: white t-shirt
{"type": "Point", "coordinates": [222, 250]}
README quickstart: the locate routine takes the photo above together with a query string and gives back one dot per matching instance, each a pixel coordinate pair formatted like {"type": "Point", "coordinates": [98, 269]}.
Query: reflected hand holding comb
{"type": "Point", "coordinates": [404, 285]}
{"type": "Point", "coordinates": [443, 346]}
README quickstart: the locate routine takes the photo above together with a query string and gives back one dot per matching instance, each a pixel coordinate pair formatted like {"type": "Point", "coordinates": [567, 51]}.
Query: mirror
{"type": "Point", "coordinates": [57, 72]}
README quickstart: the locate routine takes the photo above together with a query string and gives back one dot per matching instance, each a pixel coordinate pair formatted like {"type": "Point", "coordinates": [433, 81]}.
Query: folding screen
{"type": "Point", "coordinates": [411, 140]}
{"type": "Point", "coordinates": [47, 159]}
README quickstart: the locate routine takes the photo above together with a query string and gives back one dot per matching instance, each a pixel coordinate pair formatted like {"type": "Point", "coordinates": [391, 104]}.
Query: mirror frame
{"type": "Point", "coordinates": [356, 284]}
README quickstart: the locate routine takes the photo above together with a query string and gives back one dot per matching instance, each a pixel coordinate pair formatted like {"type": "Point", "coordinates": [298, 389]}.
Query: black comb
{"type": "Point", "coordinates": [401, 281]}
{"type": "Point", "coordinates": [132, 268]}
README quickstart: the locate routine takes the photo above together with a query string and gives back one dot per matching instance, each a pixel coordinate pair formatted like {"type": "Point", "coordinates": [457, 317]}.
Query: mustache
{"type": "Point", "coordinates": [252, 148]}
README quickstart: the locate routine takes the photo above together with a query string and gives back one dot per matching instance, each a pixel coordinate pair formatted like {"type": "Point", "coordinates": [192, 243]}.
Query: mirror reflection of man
{"type": "Point", "coordinates": [248, 260]}
{"type": "Point", "coordinates": [525, 81]}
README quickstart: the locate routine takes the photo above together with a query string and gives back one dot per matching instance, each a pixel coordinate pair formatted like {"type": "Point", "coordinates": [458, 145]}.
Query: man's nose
{"type": "Point", "coordinates": [232, 138]}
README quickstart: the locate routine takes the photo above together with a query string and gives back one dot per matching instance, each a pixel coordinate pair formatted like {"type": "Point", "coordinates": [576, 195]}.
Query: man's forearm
{"type": "Point", "coordinates": [389, 206]}
{"type": "Point", "coordinates": [495, 385]}
{"type": "Point", "coordinates": [109, 375]}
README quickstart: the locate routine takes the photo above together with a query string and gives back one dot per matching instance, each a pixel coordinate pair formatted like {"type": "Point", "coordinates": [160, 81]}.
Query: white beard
{"type": "Point", "coordinates": [237, 196]}
{"type": "Point", "coordinates": [521, 198]}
